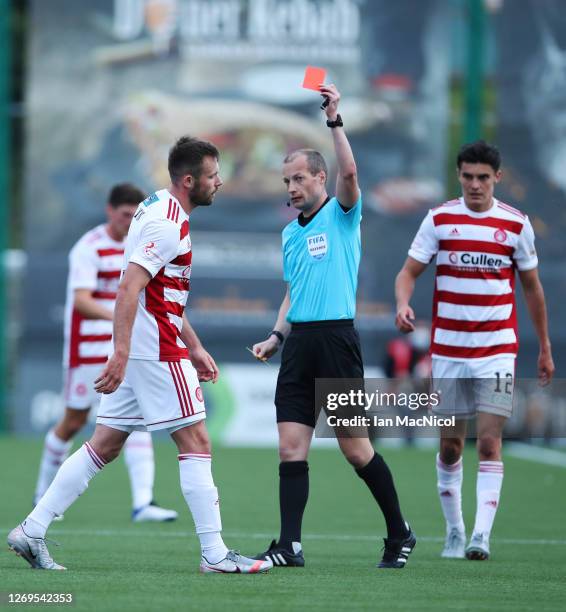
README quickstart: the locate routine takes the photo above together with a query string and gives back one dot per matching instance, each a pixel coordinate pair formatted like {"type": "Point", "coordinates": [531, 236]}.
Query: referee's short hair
{"type": "Point", "coordinates": [125, 193]}
{"type": "Point", "coordinates": [315, 161]}
{"type": "Point", "coordinates": [479, 152]}
{"type": "Point", "coordinates": [186, 157]}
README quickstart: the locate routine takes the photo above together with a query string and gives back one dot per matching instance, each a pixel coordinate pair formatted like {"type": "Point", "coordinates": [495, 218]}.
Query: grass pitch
{"type": "Point", "coordinates": [116, 565]}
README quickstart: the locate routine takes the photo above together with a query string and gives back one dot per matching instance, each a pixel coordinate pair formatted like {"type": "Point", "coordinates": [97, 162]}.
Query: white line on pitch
{"type": "Point", "coordinates": [135, 532]}
{"type": "Point", "coordinates": [538, 454]}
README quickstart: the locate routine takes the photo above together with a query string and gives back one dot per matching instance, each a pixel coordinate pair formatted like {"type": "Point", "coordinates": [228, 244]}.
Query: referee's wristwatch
{"type": "Point", "coordinates": [278, 335]}
{"type": "Point", "coordinates": [336, 123]}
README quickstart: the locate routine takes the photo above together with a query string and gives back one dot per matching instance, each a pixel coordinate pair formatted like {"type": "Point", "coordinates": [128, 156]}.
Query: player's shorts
{"type": "Point", "coordinates": [79, 393]}
{"type": "Point", "coordinates": [475, 385]}
{"type": "Point", "coordinates": [154, 395]}
{"type": "Point", "coordinates": [321, 349]}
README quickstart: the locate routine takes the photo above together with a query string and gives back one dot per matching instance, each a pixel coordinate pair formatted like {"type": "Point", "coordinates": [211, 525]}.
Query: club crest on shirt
{"type": "Point", "coordinates": [150, 251]}
{"type": "Point", "coordinates": [317, 245]}
{"type": "Point", "coordinates": [500, 235]}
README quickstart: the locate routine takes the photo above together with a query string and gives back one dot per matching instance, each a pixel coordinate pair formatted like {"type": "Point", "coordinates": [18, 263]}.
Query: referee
{"type": "Point", "coordinates": [321, 256]}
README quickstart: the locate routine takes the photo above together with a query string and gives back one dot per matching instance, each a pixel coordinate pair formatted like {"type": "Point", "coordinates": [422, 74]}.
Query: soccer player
{"type": "Point", "coordinates": [152, 378]}
{"type": "Point", "coordinates": [478, 243]}
{"type": "Point", "coordinates": [94, 273]}
{"type": "Point", "coordinates": [321, 256]}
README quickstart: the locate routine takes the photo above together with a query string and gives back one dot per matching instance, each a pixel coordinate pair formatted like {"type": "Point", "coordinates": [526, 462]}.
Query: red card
{"type": "Point", "coordinates": [314, 77]}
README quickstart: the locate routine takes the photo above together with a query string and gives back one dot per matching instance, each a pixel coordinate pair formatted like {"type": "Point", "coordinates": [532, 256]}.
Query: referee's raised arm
{"type": "Point", "coordinates": [347, 191]}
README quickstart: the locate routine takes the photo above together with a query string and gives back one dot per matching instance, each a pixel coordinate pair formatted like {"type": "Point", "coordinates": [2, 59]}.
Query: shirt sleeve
{"type": "Point", "coordinates": [157, 246]}
{"type": "Point", "coordinates": [425, 244]}
{"type": "Point", "coordinates": [351, 217]}
{"type": "Point", "coordinates": [525, 253]}
{"type": "Point", "coordinates": [83, 267]}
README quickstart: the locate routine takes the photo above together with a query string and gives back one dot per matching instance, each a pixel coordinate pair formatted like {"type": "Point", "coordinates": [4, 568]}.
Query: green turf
{"type": "Point", "coordinates": [115, 565]}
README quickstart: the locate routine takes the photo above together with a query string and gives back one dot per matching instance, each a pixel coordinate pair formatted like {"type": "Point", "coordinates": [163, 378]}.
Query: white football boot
{"type": "Point", "coordinates": [478, 548]}
{"type": "Point", "coordinates": [152, 513]}
{"type": "Point", "coordinates": [235, 563]}
{"type": "Point", "coordinates": [454, 544]}
{"type": "Point", "coordinates": [33, 550]}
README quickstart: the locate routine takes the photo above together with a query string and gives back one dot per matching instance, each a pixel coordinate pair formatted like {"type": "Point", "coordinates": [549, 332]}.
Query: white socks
{"type": "Point", "coordinates": [138, 455]}
{"type": "Point", "coordinates": [71, 480]}
{"type": "Point", "coordinates": [488, 491]}
{"type": "Point", "coordinates": [202, 498]}
{"type": "Point", "coordinates": [55, 451]}
{"type": "Point", "coordinates": [449, 481]}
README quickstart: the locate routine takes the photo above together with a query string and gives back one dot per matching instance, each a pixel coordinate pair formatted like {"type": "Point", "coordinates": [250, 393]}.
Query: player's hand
{"type": "Point", "coordinates": [545, 367]}
{"type": "Point", "coordinates": [266, 349]}
{"type": "Point", "coordinates": [333, 95]}
{"type": "Point", "coordinates": [405, 319]}
{"type": "Point", "coordinates": [112, 375]}
{"type": "Point", "coordinates": [204, 364]}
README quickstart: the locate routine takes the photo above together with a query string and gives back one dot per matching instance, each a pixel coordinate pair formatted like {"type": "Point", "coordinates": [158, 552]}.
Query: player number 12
{"type": "Point", "coordinates": [508, 382]}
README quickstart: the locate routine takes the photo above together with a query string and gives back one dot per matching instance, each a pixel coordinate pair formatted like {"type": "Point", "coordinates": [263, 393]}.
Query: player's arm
{"type": "Point", "coordinates": [536, 304]}
{"type": "Point", "coordinates": [423, 248]}
{"type": "Point", "coordinates": [84, 266]}
{"type": "Point", "coordinates": [526, 260]}
{"type": "Point", "coordinates": [347, 190]}
{"type": "Point", "coordinates": [404, 288]}
{"type": "Point", "coordinates": [88, 307]}
{"type": "Point", "coordinates": [135, 279]}
{"type": "Point", "coordinates": [203, 363]}
{"type": "Point", "coordinates": [268, 348]}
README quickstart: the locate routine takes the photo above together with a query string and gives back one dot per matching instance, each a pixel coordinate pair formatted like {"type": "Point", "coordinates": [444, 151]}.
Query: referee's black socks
{"type": "Point", "coordinates": [378, 478]}
{"type": "Point", "coordinates": [293, 495]}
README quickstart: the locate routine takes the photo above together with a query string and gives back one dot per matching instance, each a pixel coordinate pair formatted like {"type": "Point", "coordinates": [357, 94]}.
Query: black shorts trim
{"type": "Point", "coordinates": [322, 324]}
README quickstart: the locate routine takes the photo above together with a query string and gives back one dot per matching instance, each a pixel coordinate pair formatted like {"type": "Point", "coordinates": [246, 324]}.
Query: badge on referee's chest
{"type": "Point", "coordinates": [317, 245]}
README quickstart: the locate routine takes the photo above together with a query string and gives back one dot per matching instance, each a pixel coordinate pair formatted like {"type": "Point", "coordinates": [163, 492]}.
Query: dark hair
{"type": "Point", "coordinates": [186, 156]}
{"type": "Point", "coordinates": [479, 152]}
{"type": "Point", "coordinates": [125, 193]}
{"type": "Point", "coordinates": [315, 161]}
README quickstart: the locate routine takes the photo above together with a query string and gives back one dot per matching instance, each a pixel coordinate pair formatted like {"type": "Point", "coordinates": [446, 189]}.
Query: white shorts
{"type": "Point", "coordinates": [79, 390]}
{"type": "Point", "coordinates": [154, 395]}
{"type": "Point", "coordinates": [475, 385]}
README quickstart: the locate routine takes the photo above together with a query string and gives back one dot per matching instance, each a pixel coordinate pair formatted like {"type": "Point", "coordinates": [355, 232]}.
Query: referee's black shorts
{"type": "Point", "coordinates": [319, 349]}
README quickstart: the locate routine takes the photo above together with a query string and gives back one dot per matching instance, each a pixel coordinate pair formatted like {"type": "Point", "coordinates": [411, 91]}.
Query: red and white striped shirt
{"type": "Point", "coordinates": [94, 263]}
{"type": "Point", "coordinates": [159, 241]}
{"type": "Point", "coordinates": [474, 312]}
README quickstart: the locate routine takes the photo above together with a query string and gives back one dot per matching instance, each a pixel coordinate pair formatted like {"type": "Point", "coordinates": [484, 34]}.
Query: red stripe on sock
{"type": "Point", "coordinates": [492, 467]}
{"type": "Point", "coordinates": [95, 458]}
{"type": "Point", "coordinates": [186, 456]}
{"type": "Point", "coordinates": [449, 468]}
{"type": "Point", "coordinates": [53, 451]}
